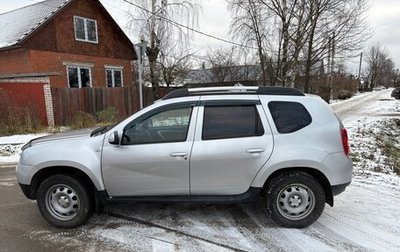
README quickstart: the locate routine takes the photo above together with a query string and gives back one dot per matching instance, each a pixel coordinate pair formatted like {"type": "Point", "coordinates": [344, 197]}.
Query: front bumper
{"type": "Point", "coordinates": [26, 189]}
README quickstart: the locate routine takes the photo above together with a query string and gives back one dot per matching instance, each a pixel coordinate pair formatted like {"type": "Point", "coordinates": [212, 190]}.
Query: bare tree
{"type": "Point", "coordinates": [249, 26]}
{"type": "Point", "coordinates": [223, 62]}
{"type": "Point", "coordinates": [380, 67]}
{"type": "Point", "coordinates": [293, 33]}
{"type": "Point", "coordinates": [279, 29]}
{"type": "Point", "coordinates": [289, 18]}
{"type": "Point", "coordinates": [337, 27]}
{"type": "Point", "coordinates": [160, 23]}
{"type": "Point", "coordinates": [174, 64]}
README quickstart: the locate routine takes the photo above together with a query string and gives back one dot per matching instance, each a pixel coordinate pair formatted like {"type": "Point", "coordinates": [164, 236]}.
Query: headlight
{"type": "Point", "coordinates": [27, 145]}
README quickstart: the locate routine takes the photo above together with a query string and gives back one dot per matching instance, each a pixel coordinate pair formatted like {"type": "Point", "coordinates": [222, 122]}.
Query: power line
{"type": "Point", "coordinates": [189, 28]}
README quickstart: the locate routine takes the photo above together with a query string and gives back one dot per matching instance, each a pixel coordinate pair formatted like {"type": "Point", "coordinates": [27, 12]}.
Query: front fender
{"type": "Point", "coordinates": [79, 153]}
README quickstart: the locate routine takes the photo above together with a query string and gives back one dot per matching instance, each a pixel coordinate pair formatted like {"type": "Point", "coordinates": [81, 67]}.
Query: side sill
{"type": "Point", "coordinates": [250, 195]}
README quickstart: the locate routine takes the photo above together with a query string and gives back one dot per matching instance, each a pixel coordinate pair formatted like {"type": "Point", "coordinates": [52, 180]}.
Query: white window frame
{"type": "Point", "coordinates": [86, 30]}
{"type": "Point", "coordinates": [113, 69]}
{"type": "Point", "coordinates": [79, 67]}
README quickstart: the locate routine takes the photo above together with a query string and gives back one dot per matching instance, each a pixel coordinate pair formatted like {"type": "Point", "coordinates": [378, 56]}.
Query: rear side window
{"type": "Point", "coordinates": [231, 122]}
{"type": "Point", "coordinates": [289, 116]}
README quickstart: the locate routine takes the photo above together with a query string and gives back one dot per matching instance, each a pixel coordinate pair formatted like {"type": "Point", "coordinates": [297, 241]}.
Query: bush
{"type": "Point", "coordinates": [86, 120]}
{"type": "Point", "coordinates": [83, 120]}
{"type": "Point", "coordinates": [107, 116]}
{"type": "Point", "coordinates": [344, 94]}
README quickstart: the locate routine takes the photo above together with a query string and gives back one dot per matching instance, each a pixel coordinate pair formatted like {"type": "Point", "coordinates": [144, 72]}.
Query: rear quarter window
{"type": "Point", "coordinates": [289, 116]}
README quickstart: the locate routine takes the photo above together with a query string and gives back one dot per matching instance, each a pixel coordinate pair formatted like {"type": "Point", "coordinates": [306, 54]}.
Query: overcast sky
{"type": "Point", "coordinates": [384, 18]}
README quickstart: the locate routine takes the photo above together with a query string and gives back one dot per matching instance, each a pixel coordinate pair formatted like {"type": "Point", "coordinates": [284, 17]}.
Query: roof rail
{"type": "Point", "coordinates": [184, 92]}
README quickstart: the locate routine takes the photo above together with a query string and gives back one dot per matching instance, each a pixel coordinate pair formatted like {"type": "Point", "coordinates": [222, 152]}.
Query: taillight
{"type": "Point", "coordinates": [345, 141]}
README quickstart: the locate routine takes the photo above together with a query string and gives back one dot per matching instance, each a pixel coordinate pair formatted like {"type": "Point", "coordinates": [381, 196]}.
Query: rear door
{"type": "Point", "coordinates": [233, 141]}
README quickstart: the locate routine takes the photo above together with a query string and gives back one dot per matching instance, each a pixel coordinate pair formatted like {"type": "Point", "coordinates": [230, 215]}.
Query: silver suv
{"type": "Point", "coordinates": [231, 144]}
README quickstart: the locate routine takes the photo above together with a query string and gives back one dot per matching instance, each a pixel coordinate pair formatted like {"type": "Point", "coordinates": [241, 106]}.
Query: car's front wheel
{"type": "Point", "coordinates": [294, 199]}
{"type": "Point", "coordinates": [64, 201]}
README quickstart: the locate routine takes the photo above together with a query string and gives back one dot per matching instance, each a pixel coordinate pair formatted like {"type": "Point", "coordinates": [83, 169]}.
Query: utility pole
{"type": "Point", "coordinates": [328, 67]}
{"type": "Point", "coordinates": [156, 35]}
{"type": "Point", "coordinates": [359, 68]}
{"type": "Point", "coordinates": [332, 66]}
{"type": "Point", "coordinates": [140, 51]}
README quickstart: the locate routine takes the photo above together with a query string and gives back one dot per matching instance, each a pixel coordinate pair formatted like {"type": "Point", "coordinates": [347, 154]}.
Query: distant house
{"type": "Point", "coordinates": [75, 43]}
{"type": "Point", "coordinates": [250, 75]}
{"type": "Point", "coordinates": [64, 56]}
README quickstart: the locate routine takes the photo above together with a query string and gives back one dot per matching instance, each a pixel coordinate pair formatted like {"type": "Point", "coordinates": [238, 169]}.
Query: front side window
{"type": "Point", "coordinates": [231, 122]}
{"type": "Point", "coordinates": [79, 76]}
{"type": "Point", "coordinates": [170, 125]}
{"type": "Point", "coordinates": [85, 29]}
{"type": "Point", "coordinates": [114, 77]}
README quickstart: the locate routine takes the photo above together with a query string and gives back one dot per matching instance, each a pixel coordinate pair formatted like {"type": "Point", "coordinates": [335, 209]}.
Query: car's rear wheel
{"type": "Point", "coordinates": [294, 199]}
{"type": "Point", "coordinates": [64, 201]}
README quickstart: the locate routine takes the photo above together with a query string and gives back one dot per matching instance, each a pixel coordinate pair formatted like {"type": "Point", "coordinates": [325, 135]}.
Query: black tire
{"type": "Point", "coordinates": [64, 201]}
{"type": "Point", "coordinates": [294, 199]}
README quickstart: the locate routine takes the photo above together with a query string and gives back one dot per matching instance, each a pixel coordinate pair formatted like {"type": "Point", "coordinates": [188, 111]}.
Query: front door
{"type": "Point", "coordinates": [153, 157]}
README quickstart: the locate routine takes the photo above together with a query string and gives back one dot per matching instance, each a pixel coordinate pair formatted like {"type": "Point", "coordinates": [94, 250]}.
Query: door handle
{"type": "Point", "coordinates": [179, 154]}
{"type": "Point", "coordinates": [255, 151]}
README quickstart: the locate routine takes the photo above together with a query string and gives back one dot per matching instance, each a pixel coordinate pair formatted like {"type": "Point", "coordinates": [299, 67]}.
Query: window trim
{"type": "Point", "coordinates": [79, 67]}
{"type": "Point", "coordinates": [86, 30]}
{"type": "Point", "coordinates": [113, 69]}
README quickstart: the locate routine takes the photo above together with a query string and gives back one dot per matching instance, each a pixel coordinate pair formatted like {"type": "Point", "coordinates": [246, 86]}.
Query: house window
{"type": "Point", "coordinates": [85, 29]}
{"type": "Point", "coordinates": [79, 76]}
{"type": "Point", "coordinates": [114, 77]}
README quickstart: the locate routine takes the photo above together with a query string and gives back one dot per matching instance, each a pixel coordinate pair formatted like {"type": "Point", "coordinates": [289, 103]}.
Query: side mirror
{"type": "Point", "coordinates": [114, 138]}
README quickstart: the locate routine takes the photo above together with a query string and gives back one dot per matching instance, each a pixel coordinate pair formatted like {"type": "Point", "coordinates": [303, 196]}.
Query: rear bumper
{"type": "Point", "coordinates": [338, 189]}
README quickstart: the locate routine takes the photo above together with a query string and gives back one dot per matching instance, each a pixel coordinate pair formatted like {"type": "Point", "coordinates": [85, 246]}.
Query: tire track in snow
{"type": "Point", "coordinates": [176, 231]}
{"type": "Point", "coordinates": [353, 229]}
{"type": "Point", "coordinates": [334, 240]}
{"type": "Point", "coordinates": [263, 239]}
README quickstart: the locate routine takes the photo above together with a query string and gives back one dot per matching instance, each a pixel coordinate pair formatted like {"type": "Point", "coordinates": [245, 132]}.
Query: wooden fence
{"type": "Point", "coordinates": [68, 101]}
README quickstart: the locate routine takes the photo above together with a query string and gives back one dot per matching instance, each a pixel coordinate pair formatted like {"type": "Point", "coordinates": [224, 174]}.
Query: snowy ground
{"type": "Point", "coordinates": [365, 217]}
{"type": "Point", "coordinates": [10, 146]}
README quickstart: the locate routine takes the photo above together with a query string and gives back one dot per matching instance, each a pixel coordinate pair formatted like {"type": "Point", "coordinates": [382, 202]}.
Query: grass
{"type": "Point", "coordinates": [389, 142]}
{"type": "Point", "coordinates": [18, 119]}
{"type": "Point", "coordinates": [25, 119]}
{"type": "Point", "coordinates": [86, 120]}
{"type": "Point", "coordinates": [376, 146]}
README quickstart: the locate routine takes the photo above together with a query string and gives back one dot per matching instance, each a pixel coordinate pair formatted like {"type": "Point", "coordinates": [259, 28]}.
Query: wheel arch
{"type": "Point", "coordinates": [318, 175]}
{"type": "Point", "coordinates": [44, 173]}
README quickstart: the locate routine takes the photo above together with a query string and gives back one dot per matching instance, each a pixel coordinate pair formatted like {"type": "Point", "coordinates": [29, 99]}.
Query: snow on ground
{"type": "Point", "coordinates": [365, 217]}
{"type": "Point", "coordinates": [10, 146]}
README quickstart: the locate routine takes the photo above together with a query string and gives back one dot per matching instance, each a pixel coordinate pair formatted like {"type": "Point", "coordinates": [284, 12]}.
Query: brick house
{"type": "Point", "coordinates": [70, 44]}
{"type": "Point", "coordinates": [74, 42]}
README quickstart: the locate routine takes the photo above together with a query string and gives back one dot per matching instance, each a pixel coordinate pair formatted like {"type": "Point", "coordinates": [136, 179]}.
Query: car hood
{"type": "Point", "coordinates": [63, 136]}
